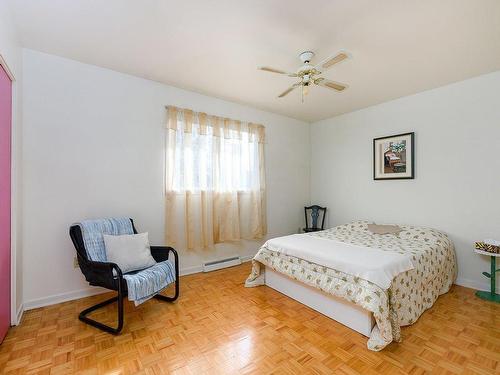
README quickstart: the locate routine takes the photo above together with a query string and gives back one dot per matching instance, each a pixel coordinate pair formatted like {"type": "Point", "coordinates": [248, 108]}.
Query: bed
{"type": "Point", "coordinates": [369, 282]}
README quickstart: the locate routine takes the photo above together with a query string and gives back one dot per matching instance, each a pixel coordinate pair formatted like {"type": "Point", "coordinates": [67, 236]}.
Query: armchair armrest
{"type": "Point", "coordinates": [107, 266]}
{"type": "Point", "coordinates": [162, 253]}
{"type": "Point", "coordinates": [100, 271]}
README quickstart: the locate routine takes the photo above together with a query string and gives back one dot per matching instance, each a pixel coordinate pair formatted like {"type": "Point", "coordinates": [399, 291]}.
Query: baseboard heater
{"type": "Point", "coordinates": [221, 263]}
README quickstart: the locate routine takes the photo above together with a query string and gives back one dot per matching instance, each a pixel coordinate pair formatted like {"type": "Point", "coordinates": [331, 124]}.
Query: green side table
{"type": "Point", "coordinates": [491, 295]}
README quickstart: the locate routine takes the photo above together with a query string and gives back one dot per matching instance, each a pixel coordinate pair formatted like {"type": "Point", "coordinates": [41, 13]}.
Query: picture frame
{"type": "Point", "coordinates": [394, 157]}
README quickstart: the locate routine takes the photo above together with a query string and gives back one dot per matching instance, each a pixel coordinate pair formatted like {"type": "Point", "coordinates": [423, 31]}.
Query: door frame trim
{"type": "Point", "coordinates": [14, 314]}
{"type": "Point", "coordinates": [5, 67]}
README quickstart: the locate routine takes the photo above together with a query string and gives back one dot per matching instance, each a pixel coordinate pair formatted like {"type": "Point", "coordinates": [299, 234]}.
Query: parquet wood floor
{"type": "Point", "coordinates": [219, 327]}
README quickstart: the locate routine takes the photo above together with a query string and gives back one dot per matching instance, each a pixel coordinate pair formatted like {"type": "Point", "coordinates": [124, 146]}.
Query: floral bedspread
{"type": "Point", "coordinates": [411, 292]}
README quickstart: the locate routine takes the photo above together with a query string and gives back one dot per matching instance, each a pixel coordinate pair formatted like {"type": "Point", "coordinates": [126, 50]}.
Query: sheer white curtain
{"type": "Point", "coordinates": [215, 180]}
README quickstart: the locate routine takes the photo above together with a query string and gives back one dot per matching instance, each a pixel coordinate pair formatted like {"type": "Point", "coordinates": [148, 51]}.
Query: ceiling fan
{"type": "Point", "coordinates": [311, 74]}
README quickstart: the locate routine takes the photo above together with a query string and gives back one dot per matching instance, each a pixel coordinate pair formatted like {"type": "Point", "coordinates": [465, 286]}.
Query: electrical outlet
{"type": "Point", "coordinates": [75, 262]}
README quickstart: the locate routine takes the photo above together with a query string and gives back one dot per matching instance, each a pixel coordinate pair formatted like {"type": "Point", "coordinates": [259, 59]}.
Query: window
{"type": "Point", "coordinates": [214, 179]}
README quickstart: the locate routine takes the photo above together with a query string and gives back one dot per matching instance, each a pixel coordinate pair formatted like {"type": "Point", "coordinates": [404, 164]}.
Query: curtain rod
{"type": "Point", "coordinates": [209, 115]}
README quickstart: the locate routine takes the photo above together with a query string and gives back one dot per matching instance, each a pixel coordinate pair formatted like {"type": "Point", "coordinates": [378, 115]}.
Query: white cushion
{"type": "Point", "coordinates": [130, 252]}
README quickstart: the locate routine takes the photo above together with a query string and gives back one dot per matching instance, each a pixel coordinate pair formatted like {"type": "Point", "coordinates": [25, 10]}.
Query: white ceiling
{"type": "Point", "coordinates": [399, 47]}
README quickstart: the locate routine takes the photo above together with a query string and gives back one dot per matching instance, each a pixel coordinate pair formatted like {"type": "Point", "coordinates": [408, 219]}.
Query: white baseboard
{"type": "Point", "coordinates": [63, 297]}
{"type": "Point", "coordinates": [190, 270]}
{"type": "Point", "coordinates": [198, 269]}
{"type": "Point", "coordinates": [15, 320]}
{"type": "Point", "coordinates": [247, 258]}
{"type": "Point", "coordinates": [473, 284]}
{"type": "Point", "coordinates": [69, 296]}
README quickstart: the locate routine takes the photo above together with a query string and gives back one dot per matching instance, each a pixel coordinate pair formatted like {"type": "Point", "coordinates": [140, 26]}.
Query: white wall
{"type": "Point", "coordinates": [12, 54]}
{"type": "Point", "coordinates": [457, 183]}
{"type": "Point", "coordinates": [93, 147]}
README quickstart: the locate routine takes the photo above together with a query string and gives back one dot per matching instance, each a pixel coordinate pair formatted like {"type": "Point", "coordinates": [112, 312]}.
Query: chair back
{"type": "Point", "coordinates": [316, 214]}
{"type": "Point", "coordinates": [87, 236]}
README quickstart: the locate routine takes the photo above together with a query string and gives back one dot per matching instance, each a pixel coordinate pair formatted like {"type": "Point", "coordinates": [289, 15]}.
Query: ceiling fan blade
{"type": "Point", "coordinates": [288, 90]}
{"type": "Point", "coordinates": [330, 84]}
{"type": "Point", "coordinates": [272, 70]}
{"type": "Point", "coordinates": [329, 62]}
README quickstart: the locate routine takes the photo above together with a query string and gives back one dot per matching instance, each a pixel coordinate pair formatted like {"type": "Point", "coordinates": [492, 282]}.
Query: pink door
{"type": "Point", "coordinates": [5, 133]}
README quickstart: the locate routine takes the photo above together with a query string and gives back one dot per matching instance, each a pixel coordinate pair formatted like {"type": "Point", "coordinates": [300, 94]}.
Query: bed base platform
{"type": "Point", "coordinates": [338, 309]}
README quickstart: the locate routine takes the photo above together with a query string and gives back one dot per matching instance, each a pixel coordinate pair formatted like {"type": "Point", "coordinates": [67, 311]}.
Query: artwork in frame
{"type": "Point", "coordinates": [394, 157]}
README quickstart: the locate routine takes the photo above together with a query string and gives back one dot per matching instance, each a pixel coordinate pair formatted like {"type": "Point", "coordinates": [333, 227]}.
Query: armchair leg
{"type": "Point", "coordinates": [176, 294]}
{"type": "Point", "coordinates": [102, 326]}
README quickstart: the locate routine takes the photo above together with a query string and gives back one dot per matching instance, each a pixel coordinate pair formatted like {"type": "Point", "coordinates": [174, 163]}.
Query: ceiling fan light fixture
{"type": "Point", "coordinates": [309, 73]}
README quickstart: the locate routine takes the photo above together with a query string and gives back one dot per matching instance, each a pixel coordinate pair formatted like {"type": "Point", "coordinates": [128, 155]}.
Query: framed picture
{"type": "Point", "coordinates": [394, 157]}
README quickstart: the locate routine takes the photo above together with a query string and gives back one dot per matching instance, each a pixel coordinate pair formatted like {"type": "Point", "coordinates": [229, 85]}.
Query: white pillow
{"type": "Point", "coordinates": [130, 252]}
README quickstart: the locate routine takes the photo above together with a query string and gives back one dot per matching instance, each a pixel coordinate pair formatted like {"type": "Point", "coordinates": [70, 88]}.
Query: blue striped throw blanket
{"type": "Point", "coordinates": [142, 285]}
{"type": "Point", "coordinates": [145, 284]}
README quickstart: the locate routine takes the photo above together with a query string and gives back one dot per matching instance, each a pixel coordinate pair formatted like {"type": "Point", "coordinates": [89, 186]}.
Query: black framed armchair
{"type": "Point", "coordinates": [109, 275]}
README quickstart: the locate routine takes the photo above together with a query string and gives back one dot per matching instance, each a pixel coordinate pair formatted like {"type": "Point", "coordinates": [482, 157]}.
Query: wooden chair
{"type": "Point", "coordinates": [314, 212]}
